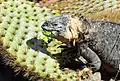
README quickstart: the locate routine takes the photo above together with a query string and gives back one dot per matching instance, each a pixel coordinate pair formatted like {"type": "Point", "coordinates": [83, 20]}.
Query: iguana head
{"type": "Point", "coordinates": [58, 24]}
{"type": "Point", "coordinates": [66, 28]}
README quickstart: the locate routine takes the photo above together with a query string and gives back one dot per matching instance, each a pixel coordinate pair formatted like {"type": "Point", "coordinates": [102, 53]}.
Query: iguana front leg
{"type": "Point", "coordinates": [92, 58]}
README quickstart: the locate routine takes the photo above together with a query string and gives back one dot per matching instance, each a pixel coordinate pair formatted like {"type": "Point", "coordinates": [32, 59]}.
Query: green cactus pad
{"type": "Point", "coordinates": [20, 21]}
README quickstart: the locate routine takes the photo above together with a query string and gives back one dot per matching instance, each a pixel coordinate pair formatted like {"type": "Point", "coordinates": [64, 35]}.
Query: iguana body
{"type": "Point", "coordinates": [100, 41]}
{"type": "Point", "coordinates": [104, 40]}
{"type": "Point", "coordinates": [108, 45]}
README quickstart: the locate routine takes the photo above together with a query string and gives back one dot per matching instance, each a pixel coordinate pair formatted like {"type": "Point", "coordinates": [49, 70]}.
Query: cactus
{"type": "Point", "coordinates": [108, 10]}
{"type": "Point", "coordinates": [20, 21]}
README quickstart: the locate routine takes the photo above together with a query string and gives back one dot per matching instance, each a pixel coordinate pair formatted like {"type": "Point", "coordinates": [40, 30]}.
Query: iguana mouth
{"type": "Point", "coordinates": [66, 27]}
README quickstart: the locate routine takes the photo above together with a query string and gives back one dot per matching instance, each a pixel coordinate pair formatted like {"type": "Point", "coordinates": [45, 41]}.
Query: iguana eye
{"type": "Point", "coordinates": [55, 24]}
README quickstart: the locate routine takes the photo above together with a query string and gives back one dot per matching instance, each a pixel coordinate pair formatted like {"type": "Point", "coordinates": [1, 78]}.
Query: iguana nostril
{"type": "Point", "coordinates": [46, 26]}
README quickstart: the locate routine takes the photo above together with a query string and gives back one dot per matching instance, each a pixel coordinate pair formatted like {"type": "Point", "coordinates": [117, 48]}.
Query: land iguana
{"type": "Point", "coordinates": [97, 41]}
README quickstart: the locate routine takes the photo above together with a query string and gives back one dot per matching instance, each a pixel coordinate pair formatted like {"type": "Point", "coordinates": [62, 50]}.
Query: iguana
{"type": "Point", "coordinates": [97, 41]}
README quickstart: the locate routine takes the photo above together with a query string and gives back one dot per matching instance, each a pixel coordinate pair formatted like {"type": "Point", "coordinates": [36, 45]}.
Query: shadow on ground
{"type": "Point", "coordinates": [7, 74]}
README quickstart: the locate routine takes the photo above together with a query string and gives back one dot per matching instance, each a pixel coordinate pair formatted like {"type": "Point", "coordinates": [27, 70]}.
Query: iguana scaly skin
{"type": "Point", "coordinates": [99, 41]}
{"type": "Point", "coordinates": [93, 9]}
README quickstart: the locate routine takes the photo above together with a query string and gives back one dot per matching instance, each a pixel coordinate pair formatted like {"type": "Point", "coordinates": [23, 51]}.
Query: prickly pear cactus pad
{"type": "Point", "coordinates": [108, 10]}
{"type": "Point", "coordinates": [20, 21]}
